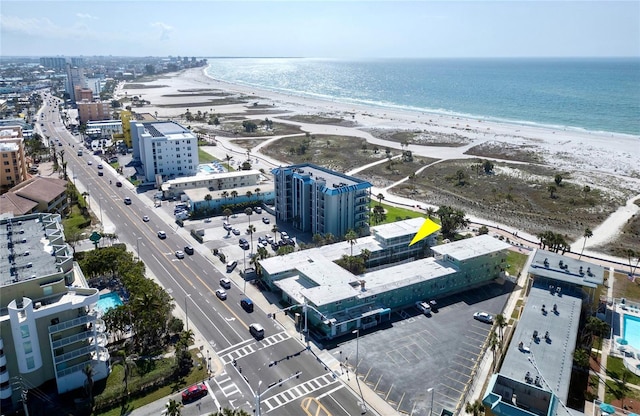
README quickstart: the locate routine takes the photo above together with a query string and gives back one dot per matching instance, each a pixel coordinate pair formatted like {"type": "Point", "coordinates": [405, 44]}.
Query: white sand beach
{"type": "Point", "coordinates": [608, 161]}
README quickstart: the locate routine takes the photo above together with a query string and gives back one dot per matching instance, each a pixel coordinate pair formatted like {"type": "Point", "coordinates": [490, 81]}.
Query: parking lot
{"type": "Point", "coordinates": [415, 352]}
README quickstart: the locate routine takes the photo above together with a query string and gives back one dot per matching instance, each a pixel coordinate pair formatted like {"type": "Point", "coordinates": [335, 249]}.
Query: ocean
{"type": "Point", "coordinates": [588, 94]}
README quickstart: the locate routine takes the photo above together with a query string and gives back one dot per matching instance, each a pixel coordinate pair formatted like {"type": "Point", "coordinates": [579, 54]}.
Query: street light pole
{"type": "Point", "coordinates": [362, 403]}
{"type": "Point", "coordinates": [258, 413]}
{"type": "Point", "coordinates": [186, 311]}
{"type": "Point", "coordinates": [432, 391]}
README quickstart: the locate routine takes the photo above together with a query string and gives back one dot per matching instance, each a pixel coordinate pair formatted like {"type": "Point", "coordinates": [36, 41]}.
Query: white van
{"type": "Point", "coordinates": [257, 331]}
{"type": "Point", "coordinates": [231, 265]}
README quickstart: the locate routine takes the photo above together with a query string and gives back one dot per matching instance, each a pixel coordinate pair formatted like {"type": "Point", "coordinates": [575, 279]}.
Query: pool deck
{"type": "Point", "coordinates": [630, 355]}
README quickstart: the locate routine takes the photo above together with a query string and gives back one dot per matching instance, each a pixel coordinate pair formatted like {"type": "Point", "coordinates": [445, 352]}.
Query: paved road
{"type": "Point", "coordinates": [222, 326]}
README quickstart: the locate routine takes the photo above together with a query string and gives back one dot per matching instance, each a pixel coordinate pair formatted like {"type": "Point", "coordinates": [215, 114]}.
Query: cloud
{"type": "Point", "coordinates": [86, 16]}
{"type": "Point", "coordinates": [46, 29]}
{"type": "Point", "coordinates": [165, 30]}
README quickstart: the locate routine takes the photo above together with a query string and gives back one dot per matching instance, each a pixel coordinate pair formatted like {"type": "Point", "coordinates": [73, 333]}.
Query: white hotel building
{"type": "Point", "coordinates": [165, 150]}
{"type": "Point", "coordinates": [49, 329]}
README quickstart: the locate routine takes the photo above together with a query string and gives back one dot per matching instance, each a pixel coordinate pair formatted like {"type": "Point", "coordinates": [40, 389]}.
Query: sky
{"type": "Point", "coordinates": [321, 29]}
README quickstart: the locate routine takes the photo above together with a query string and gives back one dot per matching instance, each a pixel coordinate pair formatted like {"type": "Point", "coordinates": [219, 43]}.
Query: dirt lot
{"type": "Point", "coordinates": [385, 174]}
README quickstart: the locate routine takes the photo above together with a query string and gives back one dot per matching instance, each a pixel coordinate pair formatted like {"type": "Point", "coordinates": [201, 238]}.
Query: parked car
{"type": "Point", "coordinates": [284, 235]}
{"type": "Point", "coordinates": [194, 392]}
{"type": "Point", "coordinates": [483, 317]}
{"type": "Point", "coordinates": [235, 231]}
{"type": "Point", "coordinates": [266, 220]}
{"type": "Point", "coordinates": [423, 307]}
{"type": "Point", "coordinates": [231, 265]}
{"type": "Point", "coordinates": [180, 254]}
{"type": "Point", "coordinates": [162, 235]}
{"type": "Point", "coordinates": [225, 283]}
{"type": "Point", "coordinates": [221, 294]}
{"type": "Point", "coordinates": [189, 250]}
{"type": "Point", "coordinates": [257, 210]}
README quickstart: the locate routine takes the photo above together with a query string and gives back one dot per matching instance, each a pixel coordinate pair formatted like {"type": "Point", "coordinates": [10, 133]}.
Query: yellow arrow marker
{"type": "Point", "coordinates": [428, 227]}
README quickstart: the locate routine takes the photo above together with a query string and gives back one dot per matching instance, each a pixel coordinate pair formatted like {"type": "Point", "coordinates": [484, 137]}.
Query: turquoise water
{"type": "Point", "coordinates": [589, 94]}
{"type": "Point", "coordinates": [212, 168]}
{"type": "Point", "coordinates": [108, 301]}
{"type": "Point", "coordinates": [632, 331]}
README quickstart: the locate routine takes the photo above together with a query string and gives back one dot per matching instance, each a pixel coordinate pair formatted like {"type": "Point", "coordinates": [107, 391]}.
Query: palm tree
{"type": "Point", "coordinates": [227, 213]}
{"type": "Point", "coordinates": [173, 408]}
{"type": "Point", "coordinates": [228, 158]}
{"type": "Point", "coordinates": [552, 191]}
{"type": "Point", "coordinates": [380, 198]}
{"type": "Point", "coordinates": [476, 408]}
{"type": "Point", "coordinates": [501, 322]}
{"type": "Point", "coordinates": [234, 194]}
{"type": "Point", "coordinates": [494, 345]}
{"type": "Point", "coordinates": [230, 412]}
{"type": "Point", "coordinates": [89, 372]}
{"type": "Point", "coordinates": [351, 236]}
{"type": "Point", "coordinates": [251, 229]}
{"type": "Point", "coordinates": [275, 229]}
{"type": "Point", "coordinates": [587, 234]}
{"type": "Point", "coordinates": [430, 212]}
{"type": "Point", "coordinates": [224, 194]}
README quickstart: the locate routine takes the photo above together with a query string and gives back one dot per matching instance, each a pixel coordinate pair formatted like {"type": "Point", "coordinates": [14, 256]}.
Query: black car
{"type": "Point", "coordinates": [247, 304]}
{"type": "Point", "coordinates": [189, 250]}
{"type": "Point", "coordinates": [119, 184]}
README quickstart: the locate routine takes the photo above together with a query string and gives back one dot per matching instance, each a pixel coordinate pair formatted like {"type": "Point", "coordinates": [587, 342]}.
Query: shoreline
{"type": "Point", "coordinates": [607, 161]}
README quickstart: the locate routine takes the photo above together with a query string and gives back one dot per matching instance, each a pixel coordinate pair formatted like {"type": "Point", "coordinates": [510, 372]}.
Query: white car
{"type": "Point", "coordinates": [89, 162]}
{"type": "Point", "coordinates": [221, 294]}
{"type": "Point", "coordinates": [423, 307]}
{"type": "Point", "coordinates": [483, 317]}
{"type": "Point", "coordinates": [180, 254]}
{"type": "Point", "coordinates": [145, 218]}
{"type": "Point", "coordinates": [162, 235]}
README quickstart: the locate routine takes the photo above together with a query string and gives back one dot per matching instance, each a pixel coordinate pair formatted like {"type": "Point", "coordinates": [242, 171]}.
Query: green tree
{"type": "Point", "coordinates": [460, 177]}
{"type": "Point", "coordinates": [585, 191]}
{"type": "Point", "coordinates": [249, 126]}
{"type": "Point", "coordinates": [483, 230]}
{"type": "Point", "coordinates": [430, 212]}
{"type": "Point", "coordinates": [476, 408]}
{"type": "Point", "coordinates": [587, 234]}
{"type": "Point", "coordinates": [552, 191]}
{"type": "Point", "coordinates": [558, 179]}
{"type": "Point", "coordinates": [351, 237]}
{"type": "Point", "coordinates": [227, 213]}
{"type": "Point", "coordinates": [230, 412]}
{"type": "Point", "coordinates": [173, 408]}
{"type": "Point", "coordinates": [89, 372]}
{"type": "Point", "coordinates": [380, 197]}
{"type": "Point", "coordinates": [450, 220]}
{"type": "Point", "coordinates": [581, 357]}
{"type": "Point", "coordinates": [501, 323]}
{"type": "Point", "coordinates": [487, 165]}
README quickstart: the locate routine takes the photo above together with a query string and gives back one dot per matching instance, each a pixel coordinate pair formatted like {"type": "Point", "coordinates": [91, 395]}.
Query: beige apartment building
{"type": "Point", "coordinates": [12, 158]}
{"type": "Point", "coordinates": [98, 110]}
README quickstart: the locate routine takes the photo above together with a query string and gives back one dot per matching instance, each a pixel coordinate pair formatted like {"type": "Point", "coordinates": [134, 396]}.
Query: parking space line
{"type": "Point", "coordinates": [378, 382]}
{"type": "Point", "coordinates": [400, 401]}
{"type": "Point", "coordinates": [389, 392]}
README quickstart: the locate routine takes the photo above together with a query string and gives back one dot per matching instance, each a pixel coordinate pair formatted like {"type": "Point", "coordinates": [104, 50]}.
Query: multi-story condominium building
{"type": "Point", "coordinates": [37, 194]}
{"type": "Point", "coordinates": [165, 149]}
{"type": "Point", "coordinates": [75, 78]}
{"type": "Point", "coordinates": [12, 158]}
{"type": "Point", "coordinates": [321, 201]}
{"type": "Point", "coordinates": [49, 329]}
{"type": "Point", "coordinates": [339, 301]}
{"type": "Point", "coordinates": [83, 93]}
{"type": "Point", "coordinates": [53, 62]}
{"type": "Point", "coordinates": [536, 371]}
{"type": "Point", "coordinates": [98, 110]}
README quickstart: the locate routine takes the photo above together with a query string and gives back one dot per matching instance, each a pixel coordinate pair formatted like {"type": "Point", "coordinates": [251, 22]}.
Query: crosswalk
{"type": "Point", "coordinates": [239, 351]}
{"type": "Point", "coordinates": [301, 390]}
{"type": "Point", "coordinates": [226, 385]}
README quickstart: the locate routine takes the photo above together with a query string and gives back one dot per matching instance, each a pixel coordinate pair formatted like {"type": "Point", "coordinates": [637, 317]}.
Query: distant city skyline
{"type": "Point", "coordinates": [328, 29]}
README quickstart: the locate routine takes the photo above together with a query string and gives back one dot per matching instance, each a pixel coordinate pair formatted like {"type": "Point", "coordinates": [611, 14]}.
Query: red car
{"type": "Point", "coordinates": [194, 392]}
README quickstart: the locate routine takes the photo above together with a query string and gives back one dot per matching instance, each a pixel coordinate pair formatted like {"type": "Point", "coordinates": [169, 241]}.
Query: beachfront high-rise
{"type": "Point", "coordinates": [321, 201]}
{"type": "Point", "coordinates": [165, 149]}
{"type": "Point", "coordinates": [49, 329]}
{"type": "Point", "coordinates": [75, 78]}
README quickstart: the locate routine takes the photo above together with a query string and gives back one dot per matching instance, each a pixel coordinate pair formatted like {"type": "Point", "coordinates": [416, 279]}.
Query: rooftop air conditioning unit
{"type": "Point", "coordinates": [37, 305]}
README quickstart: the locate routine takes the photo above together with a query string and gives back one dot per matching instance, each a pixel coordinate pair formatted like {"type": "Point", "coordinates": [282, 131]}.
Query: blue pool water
{"type": "Point", "coordinates": [632, 331]}
{"type": "Point", "coordinates": [108, 301]}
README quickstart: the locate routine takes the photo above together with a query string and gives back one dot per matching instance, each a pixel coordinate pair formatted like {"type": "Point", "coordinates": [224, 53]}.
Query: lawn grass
{"type": "Point", "coordinates": [162, 368]}
{"type": "Point", "coordinates": [625, 288]}
{"type": "Point", "coordinates": [515, 262]}
{"type": "Point", "coordinates": [615, 368]}
{"type": "Point", "coordinates": [396, 213]}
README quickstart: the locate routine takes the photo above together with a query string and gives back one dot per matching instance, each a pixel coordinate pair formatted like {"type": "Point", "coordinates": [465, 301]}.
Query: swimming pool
{"type": "Point", "coordinates": [108, 301]}
{"type": "Point", "coordinates": [632, 331]}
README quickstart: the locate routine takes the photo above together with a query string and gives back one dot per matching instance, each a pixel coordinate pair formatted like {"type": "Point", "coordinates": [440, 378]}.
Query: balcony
{"type": "Point", "coordinates": [87, 349]}
{"type": "Point", "coordinates": [82, 320]}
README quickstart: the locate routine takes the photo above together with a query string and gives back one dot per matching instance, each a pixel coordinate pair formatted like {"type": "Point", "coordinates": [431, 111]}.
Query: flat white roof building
{"type": "Point", "coordinates": [165, 149]}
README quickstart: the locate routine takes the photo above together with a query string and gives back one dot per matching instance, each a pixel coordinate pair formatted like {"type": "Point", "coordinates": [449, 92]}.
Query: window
{"type": "Point", "coordinates": [6, 162]}
{"type": "Point", "coordinates": [25, 331]}
{"type": "Point", "coordinates": [30, 363]}
{"type": "Point", "coordinates": [28, 348]}
{"type": "Point", "coordinates": [47, 290]}
{"type": "Point", "coordinates": [8, 170]}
